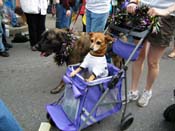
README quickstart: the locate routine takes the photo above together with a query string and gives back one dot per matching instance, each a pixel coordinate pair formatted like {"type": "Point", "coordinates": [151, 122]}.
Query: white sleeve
{"type": "Point", "coordinates": [84, 64]}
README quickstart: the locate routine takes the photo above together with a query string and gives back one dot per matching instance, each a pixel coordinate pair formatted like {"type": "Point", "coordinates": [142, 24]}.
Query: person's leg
{"type": "Point", "coordinates": [14, 21]}
{"type": "Point", "coordinates": [158, 42]}
{"type": "Point", "coordinates": [3, 52]}
{"type": "Point", "coordinates": [98, 22]}
{"type": "Point", "coordinates": [4, 40]}
{"type": "Point", "coordinates": [2, 48]}
{"type": "Point", "coordinates": [84, 28]}
{"type": "Point", "coordinates": [88, 21]}
{"type": "Point", "coordinates": [41, 25]}
{"type": "Point", "coordinates": [154, 56]}
{"type": "Point", "coordinates": [137, 68]}
{"type": "Point", "coordinates": [172, 54]}
{"type": "Point", "coordinates": [32, 26]}
{"type": "Point", "coordinates": [62, 21]}
{"type": "Point", "coordinates": [66, 20]}
{"type": "Point", "coordinates": [58, 15]}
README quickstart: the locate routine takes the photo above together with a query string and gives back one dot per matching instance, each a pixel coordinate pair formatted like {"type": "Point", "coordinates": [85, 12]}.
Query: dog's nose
{"type": "Point", "coordinates": [91, 48]}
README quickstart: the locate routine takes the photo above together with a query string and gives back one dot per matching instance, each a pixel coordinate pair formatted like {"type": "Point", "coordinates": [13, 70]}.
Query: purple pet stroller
{"type": "Point", "coordinates": [85, 103]}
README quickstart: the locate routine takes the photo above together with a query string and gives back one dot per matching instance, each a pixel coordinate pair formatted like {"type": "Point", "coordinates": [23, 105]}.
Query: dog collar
{"type": "Point", "coordinates": [66, 49]}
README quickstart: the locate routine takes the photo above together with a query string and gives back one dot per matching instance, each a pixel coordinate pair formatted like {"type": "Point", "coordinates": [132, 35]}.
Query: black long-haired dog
{"type": "Point", "coordinates": [68, 47]}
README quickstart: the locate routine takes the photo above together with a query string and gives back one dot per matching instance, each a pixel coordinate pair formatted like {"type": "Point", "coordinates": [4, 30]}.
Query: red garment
{"type": "Point", "coordinates": [67, 3]}
{"type": "Point", "coordinates": [82, 8]}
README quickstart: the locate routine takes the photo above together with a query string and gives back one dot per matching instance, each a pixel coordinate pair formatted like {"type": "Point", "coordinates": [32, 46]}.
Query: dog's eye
{"type": "Point", "coordinates": [98, 43]}
{"type": "Point", "coordinates": [92, 41]}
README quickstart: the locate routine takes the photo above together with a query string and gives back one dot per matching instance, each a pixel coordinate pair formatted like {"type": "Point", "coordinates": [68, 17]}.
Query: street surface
{"type": "Point", "coordinates": [26, 80]}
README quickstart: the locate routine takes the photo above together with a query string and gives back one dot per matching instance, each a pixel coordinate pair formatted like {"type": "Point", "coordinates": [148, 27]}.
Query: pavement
{"type": "Point", "coordinates": [26, 80]}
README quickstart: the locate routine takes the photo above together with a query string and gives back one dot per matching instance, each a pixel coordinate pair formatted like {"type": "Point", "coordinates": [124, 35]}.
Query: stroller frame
{"type": "Point", "coordinates": [127, 119]}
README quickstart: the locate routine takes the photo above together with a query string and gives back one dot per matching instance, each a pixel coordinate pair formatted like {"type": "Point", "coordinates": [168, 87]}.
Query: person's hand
{"type": "Point", "coordinates": [131, 7]}
{"type": "Point", "coordinates": [57, 1]}
{"type": "Point", "coordinates": [85, 11]}
{"type": "Point", "coordinates": [68, 13]}
{"type": "Point", "coordinates": [158, 12]}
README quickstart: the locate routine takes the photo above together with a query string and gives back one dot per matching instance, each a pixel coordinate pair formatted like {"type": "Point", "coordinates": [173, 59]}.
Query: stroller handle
{"type": "Point", "coordinates": [138, 34]}
{"type": "Point", "coordinates": [116, 78]}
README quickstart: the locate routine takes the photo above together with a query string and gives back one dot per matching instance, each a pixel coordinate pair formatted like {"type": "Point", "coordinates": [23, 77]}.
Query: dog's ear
{"type": "Point", "coordinates": [91, 34]}
{"type": "Point", "coordinates": [108, 39]}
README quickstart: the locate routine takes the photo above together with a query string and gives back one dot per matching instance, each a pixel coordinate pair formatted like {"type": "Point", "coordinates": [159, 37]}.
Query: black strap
{"type": "Point", "coordinates": [132, 2]}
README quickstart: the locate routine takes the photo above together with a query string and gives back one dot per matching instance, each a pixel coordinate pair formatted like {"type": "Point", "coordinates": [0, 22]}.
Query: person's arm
{"type": "Point", "coordinates": [18, 5]}
{"type": "Point", "coordinates": [161, 12]}
{"type": "Point", "coordinates": [66, 4]}
{"type": "Point", "coordinates": [1, 3]}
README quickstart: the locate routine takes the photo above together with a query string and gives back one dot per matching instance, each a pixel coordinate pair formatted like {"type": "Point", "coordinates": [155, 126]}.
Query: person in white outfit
{"type": "Point", "coordinates": [35, 12]}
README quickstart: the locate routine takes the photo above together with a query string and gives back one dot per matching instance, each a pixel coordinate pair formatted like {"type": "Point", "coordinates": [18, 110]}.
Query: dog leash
{"type": "Point", "coordinates": [76, 19]}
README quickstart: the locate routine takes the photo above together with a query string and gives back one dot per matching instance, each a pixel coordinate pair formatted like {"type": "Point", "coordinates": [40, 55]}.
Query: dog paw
{"type": "Point", "coordinates": [72, 74]}
{"type": "Point", "coordinates": [88, 80]}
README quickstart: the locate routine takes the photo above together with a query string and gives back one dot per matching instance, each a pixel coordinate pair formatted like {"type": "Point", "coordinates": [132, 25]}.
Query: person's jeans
{"type": "Point", "coordinates": [9, 11]}
{"type": "Point", "coordinates": [13, 18]}
{"type": "Point", "coordinates": [95, 22]}
{"type": "Point", "coordinates": [62, 21]}
{"type": "Point", "coordinates": [2, 48]}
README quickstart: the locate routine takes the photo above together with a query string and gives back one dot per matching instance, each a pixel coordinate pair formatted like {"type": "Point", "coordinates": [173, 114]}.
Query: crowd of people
{"type": "Point", "coordinates": [94, 18]}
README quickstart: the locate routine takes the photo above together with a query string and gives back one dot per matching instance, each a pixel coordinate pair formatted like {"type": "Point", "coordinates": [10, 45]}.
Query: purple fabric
{"type": "Point", "coordinates": [77, 81]}
{"type": "Point", "coordinates": [124, 4]}
{"type": "Point", "coordinates": [88, 95]}
{"type": "Point", "coordinates": [76, 91]}
{"type": "Point", "coordinates": [124, 49]}
{"type": "Point", "coordinates": [60, 118]}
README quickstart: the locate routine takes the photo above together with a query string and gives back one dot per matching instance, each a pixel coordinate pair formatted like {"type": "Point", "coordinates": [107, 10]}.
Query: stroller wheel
{"type": "Point", "coordinates": [126, 122]}
{"type": "Point", "coordinates": [169, 113]}
{"type": "Point", "coordinates": [50, 119]}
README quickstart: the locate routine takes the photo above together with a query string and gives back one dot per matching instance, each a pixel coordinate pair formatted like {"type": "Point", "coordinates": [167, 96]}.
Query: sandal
{"type": "Point", "coordinates": [171, 55]}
